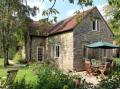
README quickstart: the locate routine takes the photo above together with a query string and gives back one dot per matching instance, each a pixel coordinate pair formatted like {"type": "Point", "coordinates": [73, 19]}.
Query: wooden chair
{"type": "Point", "coordinates": [11, 74]}
{"type": "Point", "coordinates": [105, 69]}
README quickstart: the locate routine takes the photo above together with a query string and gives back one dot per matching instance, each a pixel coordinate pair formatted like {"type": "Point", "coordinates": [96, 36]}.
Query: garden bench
{"type": "Point", "coordinates": [11, 74]}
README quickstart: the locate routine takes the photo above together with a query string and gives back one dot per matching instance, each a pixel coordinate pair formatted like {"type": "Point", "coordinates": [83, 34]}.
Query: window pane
{"type": "Point", "coordinates": [40, 54]}
{"type": "Point", "coordinates": [93, 25]}
{"type": "Point", "coordinates": [57, 51]}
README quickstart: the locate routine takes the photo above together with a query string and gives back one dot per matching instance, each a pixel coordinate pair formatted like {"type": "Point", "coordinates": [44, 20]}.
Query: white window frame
{"type": "Point", "coordinates": [55, 52]}
{"type": "Point", "coordinates": [43, 53]}
{"type": "Point", "coordinates": [97, 25]}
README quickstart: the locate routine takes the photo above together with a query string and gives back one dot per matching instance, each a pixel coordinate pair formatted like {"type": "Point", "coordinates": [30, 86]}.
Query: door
{"type": "Point", "coordinates": [40, 53]}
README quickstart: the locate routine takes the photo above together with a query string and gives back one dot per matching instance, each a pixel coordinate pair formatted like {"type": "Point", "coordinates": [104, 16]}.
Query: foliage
{"type": "Point", "coordinates": [113, 13]}
{"type": "Point", "coordinates": [21, 84]}
{"type": "Point", "coordinates": [111, 82]}
{"type": "Point", "coordinates": [12, 13]}
{"type": "Point", "coordinates": [116, 5]}
{"type": "Point", "coordinates": [84, 2]}
{"type": "Point", "coordinates": [117, 60]}
{"type": "Point", "coordinates": [49, 78]}
{"type": "Point", "coordinates": [18, 58]}
{"type": "Point", "coordinates": [113, 79]}
{"type": "Point", "coordinates": [3, 71]}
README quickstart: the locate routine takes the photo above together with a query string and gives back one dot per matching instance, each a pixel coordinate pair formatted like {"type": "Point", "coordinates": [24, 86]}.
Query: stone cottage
{"type": "Point", "coordinates": [65, 41]}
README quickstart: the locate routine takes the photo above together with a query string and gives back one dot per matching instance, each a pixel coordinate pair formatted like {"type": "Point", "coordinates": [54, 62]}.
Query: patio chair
{"type": "Point", "coordinates": [105, 69]}
{"type": "Point", "coordinates": [93, 61]}
{"type": "Point", "coordinates": [11, 74]}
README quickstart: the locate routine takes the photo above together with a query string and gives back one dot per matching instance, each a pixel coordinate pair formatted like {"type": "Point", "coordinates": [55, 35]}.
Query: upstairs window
{"type": "Point", "coordinates": [95, 25]}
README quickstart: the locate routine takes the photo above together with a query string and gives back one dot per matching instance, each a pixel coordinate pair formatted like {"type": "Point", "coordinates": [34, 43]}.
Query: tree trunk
{"type": "Point", "coordinates": [5, 51]}
{"type": "Point", "coordinates": [6, 59]}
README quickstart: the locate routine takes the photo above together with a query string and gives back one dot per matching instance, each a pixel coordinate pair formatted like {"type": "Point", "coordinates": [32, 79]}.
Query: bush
{"type": "Point", "coordinates": [113, 80]}
{"type": "Point", "coordinates": [21, 84]}
{"type": "Point", "coordinates": [18, 58]}
{"type": "Point", "coordinates": [50, 78]}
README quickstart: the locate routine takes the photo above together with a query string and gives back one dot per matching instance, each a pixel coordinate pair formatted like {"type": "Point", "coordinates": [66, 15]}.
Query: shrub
{"type": "Point", "coordinates": [21, 84]}
{"type": "Point", "coordinates": [50, 78]}
{"type": "Point", "coordinates": [18, 58]}
{"type": "Point", "coordinates": [112, 81]}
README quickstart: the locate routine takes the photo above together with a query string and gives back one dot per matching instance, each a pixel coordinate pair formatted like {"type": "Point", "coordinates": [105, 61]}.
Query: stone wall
{"type": "Point", "coordinates": [35, 43]}
{"type": "Point", "coordinates": [65, 40]}
{"type": "Point", "coordinates": [83, 35]}
{"type": "Point", "coordinates": [72, 43]}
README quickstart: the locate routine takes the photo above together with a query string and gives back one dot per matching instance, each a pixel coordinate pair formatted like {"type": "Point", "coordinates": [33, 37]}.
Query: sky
{"type": "Point", "coordinates": [64, 7]}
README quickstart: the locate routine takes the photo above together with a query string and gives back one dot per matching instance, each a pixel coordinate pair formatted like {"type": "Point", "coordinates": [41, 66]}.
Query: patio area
{"type": "Point", "coordinates": [99, 67]}
{"type": "Point", "coordinates": [89, 78]}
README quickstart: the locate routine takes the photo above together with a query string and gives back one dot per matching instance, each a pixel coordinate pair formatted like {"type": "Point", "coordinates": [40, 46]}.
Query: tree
{"type": "Point", "coordinates": [113, 14]}
{"type": "Point", "coordinates": [12, 16]}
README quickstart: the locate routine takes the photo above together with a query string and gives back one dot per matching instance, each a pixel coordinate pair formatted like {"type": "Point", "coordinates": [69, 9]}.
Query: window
{"type": "Point", "coordinates": [57, 51]}
{"type": "Point", "coordinates": [52, 51]}
{"type": "Point", "coordinates": [95, 25]}
{"type": "Point", "coordinates": [40, 53]}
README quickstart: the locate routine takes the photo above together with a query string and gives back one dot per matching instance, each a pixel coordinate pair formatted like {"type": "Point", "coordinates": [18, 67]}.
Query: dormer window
{"type": "Point", "coordinates": [95, 25]}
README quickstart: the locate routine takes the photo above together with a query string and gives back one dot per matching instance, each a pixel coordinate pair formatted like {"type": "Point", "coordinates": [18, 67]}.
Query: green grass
{"type": "Point", "coordinates": [3, 71]}
{"type": "Point", "coordinates": [27, 72]}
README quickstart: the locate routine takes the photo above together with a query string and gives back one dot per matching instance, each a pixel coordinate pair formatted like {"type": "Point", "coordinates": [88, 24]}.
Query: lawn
{"type": "Point", "coordinates": [27, 72]}
{"type": "Point", "coordinates": [3, 71]}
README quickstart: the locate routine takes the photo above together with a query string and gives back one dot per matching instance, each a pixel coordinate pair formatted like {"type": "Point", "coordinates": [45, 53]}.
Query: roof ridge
{"type": "Point", "coordinates": [80, 13]}
{"type": "Point", "coordinates": [62, 26]}
{"type": "Point", "coordinates": [69, 19]}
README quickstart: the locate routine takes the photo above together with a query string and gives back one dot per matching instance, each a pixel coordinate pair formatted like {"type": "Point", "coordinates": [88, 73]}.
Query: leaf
{"type": "Point", "coordinates": [71, 1]}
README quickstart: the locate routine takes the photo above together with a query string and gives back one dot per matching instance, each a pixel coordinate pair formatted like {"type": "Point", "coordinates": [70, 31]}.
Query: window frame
{"type": "Point", "coordinates": [56, 50]}
{"type": "Point", "coordinates": [42, 55]}
{"type": "Point", "coordinates": [97, 25]}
